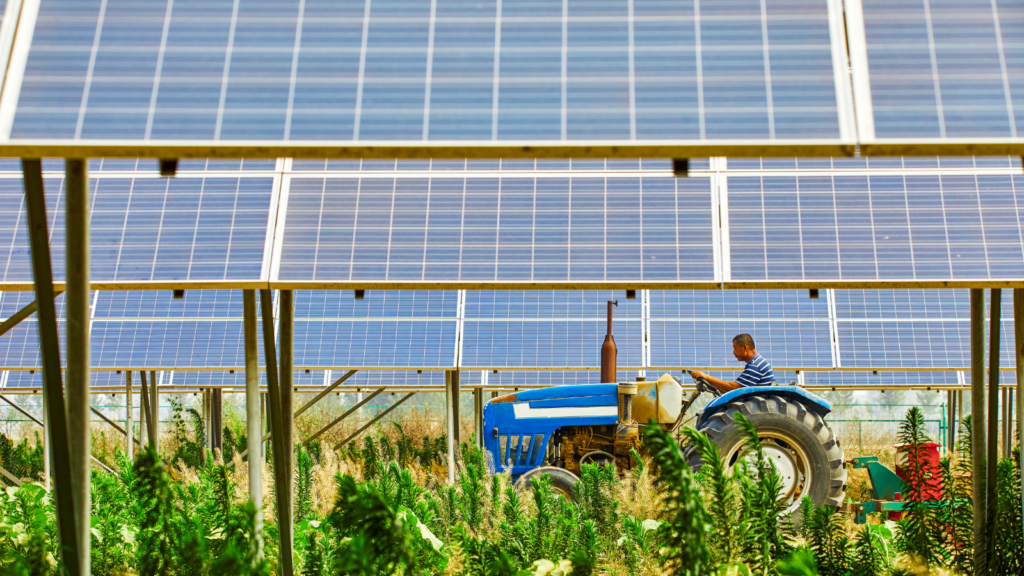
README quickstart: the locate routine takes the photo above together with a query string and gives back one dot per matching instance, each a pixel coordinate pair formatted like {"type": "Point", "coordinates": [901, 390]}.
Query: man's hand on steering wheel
{"type": "Point", "coordinates": [702, 383]}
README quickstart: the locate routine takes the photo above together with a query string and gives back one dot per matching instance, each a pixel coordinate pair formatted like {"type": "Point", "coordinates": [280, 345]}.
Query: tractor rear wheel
{"type": "Point", "coordinates": [803, 448]}
{"type": "Point", "coordinates": [563, 481]}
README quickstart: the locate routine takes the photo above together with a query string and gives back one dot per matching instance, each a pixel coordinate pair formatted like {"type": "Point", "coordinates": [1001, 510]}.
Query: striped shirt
{"type": "Point", "coordinates": [758, 372]}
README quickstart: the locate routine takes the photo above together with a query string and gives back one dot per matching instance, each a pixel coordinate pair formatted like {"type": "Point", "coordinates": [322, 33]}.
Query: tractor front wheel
{"type": "Point", "coordinates": [562, 480]}
{"type": "Point", "coordinates": [803, 448]}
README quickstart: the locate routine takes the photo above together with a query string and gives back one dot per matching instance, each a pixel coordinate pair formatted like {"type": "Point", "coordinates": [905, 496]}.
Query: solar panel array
{"type": "Point", "coordinates": [443, 70]}
{"type": "Point", "coordinates": [913, 337]}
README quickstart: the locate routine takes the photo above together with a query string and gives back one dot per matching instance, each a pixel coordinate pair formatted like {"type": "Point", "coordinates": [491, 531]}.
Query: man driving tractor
{"type": "Point", "coordinates": [757, 372]}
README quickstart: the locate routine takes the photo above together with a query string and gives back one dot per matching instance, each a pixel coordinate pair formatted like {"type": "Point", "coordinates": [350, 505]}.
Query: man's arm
{"type": "Point", "coordinates": [723, 386]}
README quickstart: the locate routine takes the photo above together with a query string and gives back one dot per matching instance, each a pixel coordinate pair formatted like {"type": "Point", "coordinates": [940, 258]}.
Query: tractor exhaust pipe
{"type": "Point", "coordinates": [609, 353]}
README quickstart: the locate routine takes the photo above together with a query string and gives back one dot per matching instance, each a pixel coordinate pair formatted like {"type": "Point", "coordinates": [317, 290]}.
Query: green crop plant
{"type": "Point", "coordinates": [21, 459]}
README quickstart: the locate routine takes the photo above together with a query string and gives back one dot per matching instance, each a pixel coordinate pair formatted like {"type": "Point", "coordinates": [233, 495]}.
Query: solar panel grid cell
{"type": "Point", "coordinates": [873, 227]}
{"type": "Point", "coordinates": [152, 229]}
{"type": "Point", "coordinates": [497, 229]}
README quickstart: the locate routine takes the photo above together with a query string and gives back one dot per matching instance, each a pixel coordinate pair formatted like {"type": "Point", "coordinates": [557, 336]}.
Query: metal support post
{"type": "Point", "coordinates": [1005, 428]}
{"type": "Point", "coordinates": [128, 424]}
{"type": "Point", "coordinates": [146, 414]}
{"type": "Point", "coordinates": [78, 311]}
{"type": "Point", "coordinates": [478, 416]}
{"type": "Point", "coordinates": [1018, 333]}
{"type": "Point", "coordinates": [281, 480]}
{"type": "Point", "coordinates": [217, 419]}
{"type": "Point", "coordinates": [978, 427]}
{"type": "Point", "coordinates": [992, 462]}
{"type": "Point", "coordinates": [286, 315]}
{"type": "Point", "coordinates": [253, 417]}
{"type": "Point", "coordinates": [450, 401]}
{"type": "Point", "coordinates": [265, 424]}
{"type": "Point", "coordinates": [951, 421]}
{"type": "Point", "coordinates": [154, 408]}
{"type": "Point", "coordinates": [53, 386]}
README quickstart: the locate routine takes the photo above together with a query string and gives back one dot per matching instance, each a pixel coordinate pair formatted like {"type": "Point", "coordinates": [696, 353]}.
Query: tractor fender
{"type": "Point", "coordinates": [814, 403]}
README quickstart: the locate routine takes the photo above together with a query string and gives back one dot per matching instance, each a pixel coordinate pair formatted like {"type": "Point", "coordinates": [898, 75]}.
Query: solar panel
{"type": "Point", "coordinates": [145, 229]}
{"type": "Point", "coordinates": [453, 71]}
{"type": "Point", "coordinates": [899, 227]}
{"type": "Point", "coordinates": [695, 343]}
{"type": "Point", "coordinates": [490, 229]}
{"type": "Point", "coordinates": [945, 69]}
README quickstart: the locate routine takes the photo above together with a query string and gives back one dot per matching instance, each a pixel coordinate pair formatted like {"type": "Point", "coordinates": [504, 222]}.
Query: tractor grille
{"type": "Point", "coordinates": [516, 450]}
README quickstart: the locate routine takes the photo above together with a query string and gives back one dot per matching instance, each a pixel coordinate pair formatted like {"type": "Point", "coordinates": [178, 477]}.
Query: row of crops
{"type": "Point", "coordinates": [384, 507]}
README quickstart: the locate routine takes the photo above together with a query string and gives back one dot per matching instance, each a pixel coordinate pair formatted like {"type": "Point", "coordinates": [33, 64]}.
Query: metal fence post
{"type": "Point", "coordinates": [49, 350]}
{"type": "Point", "coordinates": [286, 318]}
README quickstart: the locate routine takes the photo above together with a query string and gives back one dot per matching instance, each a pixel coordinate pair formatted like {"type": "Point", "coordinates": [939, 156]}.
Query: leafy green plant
{"type": "Point", "coordinates": [727, 532]}
{"type": "Point", "coordinates": [829, 542]}
{"type": "Point", "coordinates": [767, 534]}
{"type": "Point", "coordinates": [21, 459]}
{"type": "Point", "coordinates": [684, 533]}
{"type": "Point", "coordinates": [917, 530]}
{"type": "Point", "coordinates": [189, 433]}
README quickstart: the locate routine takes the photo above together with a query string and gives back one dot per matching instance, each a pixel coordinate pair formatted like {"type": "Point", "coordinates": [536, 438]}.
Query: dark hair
{"type": "Point", "coordinates": [744, 340]}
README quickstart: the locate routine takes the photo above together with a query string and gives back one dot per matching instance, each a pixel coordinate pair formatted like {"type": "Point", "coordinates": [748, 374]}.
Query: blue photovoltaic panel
{"type": "Point", "coordinates": [328, 304]}
{"type": "Point", "coordinates": [538, 378]}
{"type": "Point", "coordinates": [854, 379]}
{"type": "Point", "coordinates": [547, 343]}
{"type": "Point", "coordinates": [912, 304]}
{"type": "Point", "coordinates": [545, 165]}
{"type": "Point", "coordinates": [162, 304]}
{"type": "Point", "coordinates": [486, 229]}
{"type": "Point", "coordinates": [874, 163]}
{"type": "Point", "coordinates": [786, 343]}
{"type": "Point", "coordinates": [876, 227]}
{"type": "Point", "coordinates": [402, 70]}
{"type": "Point", "coordinates": [549, 305]}
{"type": "Point", "coordinates": [151, 229]}
{"type": "Point", "coordinates": [733, 304]}
{"type": "Point", "coordinates": [375, 343]}
{"type": "Point", "coordinates": [913, 343]}
{"type": "Point", "coordinates": [946, 69]}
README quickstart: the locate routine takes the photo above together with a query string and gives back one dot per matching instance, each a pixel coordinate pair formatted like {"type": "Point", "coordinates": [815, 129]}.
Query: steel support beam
{"type": "Point", "coordinates": [286, 331]}
{"type": "Point", "coordinates": [253, 417]}
{"type": "Point", "coordinates": [979, 428]}
{"type": "Point", "coordinates": [147, 410]}
{"type": "Point", "coordinates": [339, 419]}
{"type": "Point", "coordinates": [115, 425]}
{"type": "Point", "coordinates": [77, 326]}
{"type": "Point", "coordinates": [42, 423]}
{"type": "Point", "coordinates": [16, 318]}
{"type": "Point", "coordinates": [17, 481]}
{"type": "Point", "coordinates": [281, 479]}
{"type": "Point", "coordinates": [325, 392]}
{"type": "Point", "coordinates": [129, 426]}
{"type": "Point", "coordinates": [1018, 333]}
{"type": "Point", "coordinates": [217, 420]}
{"type": "Point", "coordinates": [53, 387]}
{"type": "Point", "coordinates": [374, 420]}
{"type": "Point", "coordinates": [154, 408]}
{"type": "Point", "coordinates": [478, 417]}
{"type": "Point", "coordinates": [951, 421]}
{"type": "Point", "coordinates": [992, 461]}
{"type": "Point", "coordinates": [451, 403]}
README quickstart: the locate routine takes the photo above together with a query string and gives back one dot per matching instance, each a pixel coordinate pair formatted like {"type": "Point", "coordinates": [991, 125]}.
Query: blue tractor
{"type": "Point", "coordinates": [556, 430]}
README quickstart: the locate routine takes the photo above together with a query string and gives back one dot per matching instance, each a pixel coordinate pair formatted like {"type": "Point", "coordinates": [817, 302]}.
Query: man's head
{"type": "Point", "coordinates": [743, 347]}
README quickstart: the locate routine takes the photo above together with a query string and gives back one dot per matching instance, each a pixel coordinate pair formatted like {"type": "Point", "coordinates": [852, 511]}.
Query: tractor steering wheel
{"type": "Point", "coordinates": [705, 386]}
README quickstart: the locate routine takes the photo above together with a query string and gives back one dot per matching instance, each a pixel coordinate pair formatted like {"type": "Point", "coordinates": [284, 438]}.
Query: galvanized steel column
{"type": "Point", "coordinates": [154, 403]}
{"type": "Point", "coordinates": [1018, 334]}
{"type": "Point", "coordinates": [992, 462]}
{"type": "Point", "coordinates": [478, 416]}
{"type": "Point", "coordinates": [978, 427]}
{"type": "Point", "coordinates": [49, 350]}
{"type": "Point", "coordinates": [451, 424]}
{"type": "Point", "coordinates": [76, 302]}
{"type": "Point", "coordinates": [281, 481]}
{"type": "Point", "coordinates": [253, 417]}
{"type": "Point", "coordinates": [128, 425]}
{"type": "Point", "coordinates": [286, 315]}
